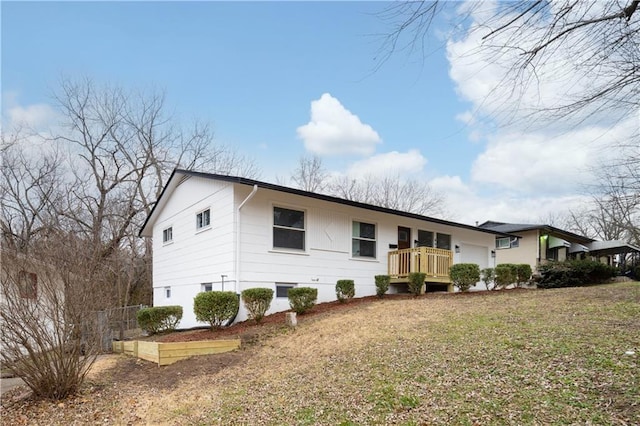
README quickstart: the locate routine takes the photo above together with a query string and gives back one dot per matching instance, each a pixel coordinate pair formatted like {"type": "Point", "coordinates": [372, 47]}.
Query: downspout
{"type": "Point", "coordinates": [238, 221]}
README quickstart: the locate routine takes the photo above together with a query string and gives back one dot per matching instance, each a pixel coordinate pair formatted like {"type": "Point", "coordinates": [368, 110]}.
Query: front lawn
{"type": "Point", "coordinates": [565, 356]}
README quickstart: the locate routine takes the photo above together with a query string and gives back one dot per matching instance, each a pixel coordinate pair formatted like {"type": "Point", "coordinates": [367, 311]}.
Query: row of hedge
{"type": "Point", "coordinates": [220, 307]}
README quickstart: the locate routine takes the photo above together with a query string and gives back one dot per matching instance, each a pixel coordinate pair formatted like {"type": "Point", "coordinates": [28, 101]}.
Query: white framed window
{"type": "Point", "coordinates": [363, 239]}
{"type": "Point", "coordinates": [425, 238]}
{"type": "Point", "coordinates": [282, 289]}
{"type": "Point", "coordinates": [167, 292]}
{"type": "Point", "coordinates": [207, 287]}
{"type": "Point", "coordinates": [288, 229]}
{"type": "Point", "coordinates": [506, 242]}
{"type": "Point", "coordinates": [203, 219]}
{"type": "Point", "coordinates": [503, 243]}
{"type": "Point", "coordinates": [167, 235]}
{"type": "Point", "coordinates": [443, 241]}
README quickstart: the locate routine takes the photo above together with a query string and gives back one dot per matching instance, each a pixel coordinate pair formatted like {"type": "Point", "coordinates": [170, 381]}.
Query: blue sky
{"type": "Point", "coordinates": [253, 71]}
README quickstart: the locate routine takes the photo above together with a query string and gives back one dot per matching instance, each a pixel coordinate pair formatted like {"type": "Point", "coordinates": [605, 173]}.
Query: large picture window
{"type": "Point", "coordinates": [363, 242]}
{"type": "Point", "coordinates": [425, 238]}
{"type": "Point", "coordinates": [443, 241]}
{"type": "Point", "coordinates": [288, 229]}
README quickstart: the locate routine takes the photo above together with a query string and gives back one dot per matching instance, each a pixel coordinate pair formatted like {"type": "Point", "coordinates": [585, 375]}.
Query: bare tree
{"type": "Point", "coordinates": [31, 189]}
{"type": "Point", "coordinates": [310, 175]}
{"type": "Point", "coordinates": [50, 332]}
{"type": "Point", "coordinates": [599, 40]}
{"type": "Point", "coordinates": [71, 214]}
{"type": "Point", "coordinates": [391, 191]}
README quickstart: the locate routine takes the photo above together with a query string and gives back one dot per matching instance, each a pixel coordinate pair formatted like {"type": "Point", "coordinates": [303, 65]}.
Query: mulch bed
{"type": "Point", "coordinates": [249, 332]}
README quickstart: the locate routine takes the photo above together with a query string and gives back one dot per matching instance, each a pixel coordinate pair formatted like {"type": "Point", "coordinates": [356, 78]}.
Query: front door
{"type": "Point", "coordinates": [404, 237]}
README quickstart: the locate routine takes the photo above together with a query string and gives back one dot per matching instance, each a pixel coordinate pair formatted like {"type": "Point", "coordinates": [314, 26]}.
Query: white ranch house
{"type": "Point", "coordinates": [214, 232]}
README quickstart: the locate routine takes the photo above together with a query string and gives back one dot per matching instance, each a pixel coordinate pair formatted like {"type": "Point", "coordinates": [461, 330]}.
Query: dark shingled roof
{"type": "Point", "coordinates": [329, 198]}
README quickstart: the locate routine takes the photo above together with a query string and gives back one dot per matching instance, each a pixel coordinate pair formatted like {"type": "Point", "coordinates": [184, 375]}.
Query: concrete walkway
{"type": "Point", "coordinates": [9, 383]}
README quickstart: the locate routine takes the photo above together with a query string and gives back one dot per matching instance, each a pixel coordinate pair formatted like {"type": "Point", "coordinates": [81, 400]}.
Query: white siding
{"type": "Point", "coordinates": [480, 255]}
{"type": "Point", "coordinates": [193, 257]}
{"type": "Point", "coordinates": [327, 257]}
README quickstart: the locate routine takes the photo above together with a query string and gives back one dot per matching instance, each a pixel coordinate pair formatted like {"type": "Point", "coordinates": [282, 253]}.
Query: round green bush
{"type": "Point", "coordinates": [416, 282]}
{"type": "Point", "coordinates": [302, 299]}
{"type": "Point", "coordinates": [488, 276]}
{"type": "Point", "coordinates": [504, 275]}
{"type": "Point", "coordinates": [159, 319]}
{"type": "Point", "coordinates": [216, 307]}
{"type": "Point", "coordinates": [382, 284]}
{"type": "Point", "coordinates": [345, 289]}
{"type": "Point", "coordinates": [464, 275]}
{"type": "Point", "coordinates": [257, 302]}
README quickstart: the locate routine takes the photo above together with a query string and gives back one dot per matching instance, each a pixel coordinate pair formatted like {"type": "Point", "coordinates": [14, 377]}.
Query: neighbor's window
{"type": "Point", "coordinates": [503, 243]}
{"type": "Point", "coordinates": [28, 284]}
{"type": "Point", "coordinates": [167, 292]}
{"type": "Point", "coordinates": [167, 235]}
{"type": "Point", "coordinates": [363, 242]}
{"type": "Point", "coordinates": [282, 289]}
{"type": "Point", "coordinates": [203, 219]}
{"type": "Point", "coordinates": [443, 241]}
{"type": "Point", "coordinates": [425, 238]}
{"type": "Point", "coordinates": [506, 242]}
{"type": "Point", "coordinates": [288, 228]}
{"type": "Point", "coordinates": [207, 287]}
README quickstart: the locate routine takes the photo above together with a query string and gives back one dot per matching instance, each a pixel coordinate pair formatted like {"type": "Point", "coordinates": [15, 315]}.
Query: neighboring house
{"type": "Point", "coordinates": [213, 232]}
{"type": "Point", "coordinates": [537, 244]}
{"type": "Point", "coordinates": [26, 289]}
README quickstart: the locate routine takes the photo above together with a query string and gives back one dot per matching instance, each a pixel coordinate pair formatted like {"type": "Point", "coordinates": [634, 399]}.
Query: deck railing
{"type": "Point", "coordinates": [432, 261]}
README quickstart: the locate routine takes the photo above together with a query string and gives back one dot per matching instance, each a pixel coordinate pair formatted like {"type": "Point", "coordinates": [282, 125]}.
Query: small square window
{"type": "Point", "coordinates": [167, 235]}
{"type": "Point", "coordinates": [503, 243]}
{"type": "Point", "coordinates": [207, 287]}
{"type": "Point", "coordinates": [282, 290]}
{"type": "Point", "coordinates": [203, 219]}
{"type": "Point", "coordinates": [167, 292]}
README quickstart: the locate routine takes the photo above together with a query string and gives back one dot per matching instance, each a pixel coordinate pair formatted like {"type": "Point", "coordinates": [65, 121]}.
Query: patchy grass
{"type": "Point", "coordinates": [508, 357]}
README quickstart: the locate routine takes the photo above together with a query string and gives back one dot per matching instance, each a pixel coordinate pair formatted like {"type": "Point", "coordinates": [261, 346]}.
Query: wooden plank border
{"type": "Point", "coordinates": [168, 353]}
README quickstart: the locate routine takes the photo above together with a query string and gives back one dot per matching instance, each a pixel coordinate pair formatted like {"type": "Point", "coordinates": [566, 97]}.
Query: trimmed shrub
{"type": "Point", "coordinates": [216, 307]}
{"type": "Point", "coordinates": [504, 277]}
{"type": "Point", "coordinates": [636, 273]}
{"type": "Point", "coordinates": [574, 273]}
{"type": "Point", "coordinates": [488, 277]}
{"type": "Point", "coordinates": [523, 273]}
{"type": "Point", "coordinates": [382, 284]}
{"type": "Point", "coordinates": [345, 289]}
{"type": "Point", "coordinates": [416, 282]}
{"type": "Point", "coordinates": [464, 275]}
{"type": "Point", "coordinates": [159, 319]}
{"type": "Point", "coordinates": [257, 302]}
{"type": "Point", "coordinates": [302, 299]}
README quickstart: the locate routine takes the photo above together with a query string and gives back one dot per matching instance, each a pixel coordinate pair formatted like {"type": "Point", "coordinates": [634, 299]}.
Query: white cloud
{"type": "Point", "coordinates": [36, 117]}
{"type": "Point", "coordinates": [335, 130]}
{"type": "Point", "coordinates": [493, 79]}
{"type": "Point", "coordinates": [466, 206]}
{"type": "Point", "coordinates": [389, 163]}
{"type": "Point", "coordinates": [530, 155]}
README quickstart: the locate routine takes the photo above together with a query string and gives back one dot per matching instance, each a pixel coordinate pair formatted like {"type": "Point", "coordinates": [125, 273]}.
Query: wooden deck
{"type": "Point", "coordinates": [432, 261]}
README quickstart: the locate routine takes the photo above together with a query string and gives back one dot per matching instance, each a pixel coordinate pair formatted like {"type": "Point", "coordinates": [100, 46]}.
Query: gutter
{"type": "Point", "coordinates": [237, 239]}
